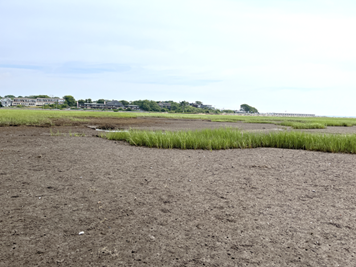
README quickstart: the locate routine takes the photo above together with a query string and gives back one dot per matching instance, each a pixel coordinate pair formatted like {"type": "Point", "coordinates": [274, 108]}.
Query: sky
{"type": "Point", "coordinates": [277, 55]}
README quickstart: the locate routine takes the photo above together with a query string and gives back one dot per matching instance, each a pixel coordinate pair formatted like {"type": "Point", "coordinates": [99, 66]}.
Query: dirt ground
{"type": "Point", "coordinates": [149, 207]}
{"type": "Point", "coordinates": [151, 123]}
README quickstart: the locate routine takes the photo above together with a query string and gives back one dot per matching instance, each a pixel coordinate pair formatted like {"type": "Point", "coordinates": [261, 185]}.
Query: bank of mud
{"type": "Point", "coordinates": [149, 207]}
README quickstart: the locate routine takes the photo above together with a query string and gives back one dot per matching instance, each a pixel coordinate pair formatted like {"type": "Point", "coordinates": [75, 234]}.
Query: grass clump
{"type": "Point", "coordinates": [300, 125]}
{"type": "Point", "coordinates": [228, 138]}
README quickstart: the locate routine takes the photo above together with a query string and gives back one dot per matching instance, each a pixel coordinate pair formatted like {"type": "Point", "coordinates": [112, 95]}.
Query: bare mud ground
{"type": "Point", "coordinates": [149, 207]}
{"type": "Point", "coordinates": [151, 123]}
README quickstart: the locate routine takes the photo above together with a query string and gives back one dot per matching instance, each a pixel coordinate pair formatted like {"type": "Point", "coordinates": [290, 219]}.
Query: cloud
{"type": "Point", "coordinates": [270, 52]}
{"type": "Point", "coordinates": [71, 68]}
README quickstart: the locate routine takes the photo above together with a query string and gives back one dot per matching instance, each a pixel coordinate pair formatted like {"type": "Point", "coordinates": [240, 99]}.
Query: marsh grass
{"type": "Point", "coordinates": [9, 117]}
{"type": "Point", "coordinates": [228, 138]}
{"type": "Point", "coordinates": [300, 125]}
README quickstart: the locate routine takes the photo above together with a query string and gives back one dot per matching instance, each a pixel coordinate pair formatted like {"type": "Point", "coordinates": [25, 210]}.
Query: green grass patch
{"type": "Point", "coordinates": [39, 117]}
{"type": "Point", "coordinates": [300, 125]}
{"type": "Point", "coordinates": [228, 138]}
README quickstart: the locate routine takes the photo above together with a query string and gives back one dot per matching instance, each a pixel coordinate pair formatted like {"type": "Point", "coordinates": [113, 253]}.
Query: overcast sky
{"type": "Point", "coordinates": [276, 55]}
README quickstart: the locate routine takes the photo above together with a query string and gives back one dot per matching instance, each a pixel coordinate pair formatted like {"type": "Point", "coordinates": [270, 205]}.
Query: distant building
{"type": "Point", "coordinates": [24, 102]}
{"type": "Point", "coordinates": [195, 105]}
{"type": "Point", "coordinates": [114, 104]}
{"type": "Point", "coordinates": [164, 105]}
{"type": "Point", "coordinates": [93, 105]}
{"type": "Point", "coordinates": [290, 114]}
{"type": "Point", "coordinates": [207, 106]}
{"type": "Point", "coordinates": [133, 107]}
{"type": "Point", "coordinates": [36, 102]}
{"type": "Point", "coordinates": [6, 102]}
{"type": "Point", "coordinates": [49, 101]}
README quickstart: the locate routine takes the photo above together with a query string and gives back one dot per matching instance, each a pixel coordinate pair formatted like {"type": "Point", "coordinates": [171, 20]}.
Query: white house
{"type": "Point", "coordinates": [6, 102]}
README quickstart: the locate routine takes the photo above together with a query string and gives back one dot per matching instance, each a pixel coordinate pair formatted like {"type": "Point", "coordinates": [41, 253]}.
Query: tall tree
{"type": "Point", "coordinates": [10, 96]}
{"type": "Point", "coordinates": [248, 108]}
{"type": "Point", "coordinates": [183, 104]}
{"type": "Point", "coordinates": [198, 102]}
{"type": "Point", "coordinates": [88, 100]}
{"type": "Point", "coordinates": [100, 101]}
{"type": "Point", "coordinates": [125, 103]}
{"type": "Point", "coordinates": [69, 100]}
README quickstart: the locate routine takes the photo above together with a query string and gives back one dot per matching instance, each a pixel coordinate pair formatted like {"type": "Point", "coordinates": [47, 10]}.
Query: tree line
{"type": "Point", "coordinates": [146, 105]}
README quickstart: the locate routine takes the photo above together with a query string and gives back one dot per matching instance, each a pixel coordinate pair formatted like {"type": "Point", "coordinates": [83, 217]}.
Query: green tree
{"type": "Point", "coordinates": [125, 103]}
{"type": "Point", "coordinates": [198, 102]}
{"type": "Point", "coordinates": [88, 100]}
{"type": "Point", "coordinates": [248, 108]}
{"type": "Point", "coordinates": [81, 102]}
{"type": "Point", "coordinates": [146, 106]}
{"type": "Point", "coordinates": [10, 96]}
{"type": "Point", "coordinates": [100, 101]}
{"type": "Point", "coordinates": [174, 105]}
{"type": "Point", "coordinates": [37, 96]}
{"type": "Point", "coordinates": [183, 104]}
{"type": "Point", "coordinates": [154, 106]}
{"type": "Point", "coordinates": [69, 100]}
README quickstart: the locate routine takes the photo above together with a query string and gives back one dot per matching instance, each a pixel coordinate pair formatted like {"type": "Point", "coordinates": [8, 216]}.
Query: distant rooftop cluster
{"type": "Point", "coordinates": [7, 102]}
{"type": "Point", "coordinates": [114, 104]}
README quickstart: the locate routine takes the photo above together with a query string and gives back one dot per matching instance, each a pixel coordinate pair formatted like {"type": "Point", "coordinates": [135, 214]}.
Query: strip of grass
{"type": "Point", "coordinates": [227, 138]}
{"type": "Point", "coordinates": [40, 117]}
{"type": "Point", "coordinates": [300, 125]}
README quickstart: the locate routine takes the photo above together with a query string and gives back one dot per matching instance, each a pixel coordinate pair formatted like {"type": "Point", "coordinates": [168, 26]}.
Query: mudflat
{"type": "Point", "coordinates": [151, 207]}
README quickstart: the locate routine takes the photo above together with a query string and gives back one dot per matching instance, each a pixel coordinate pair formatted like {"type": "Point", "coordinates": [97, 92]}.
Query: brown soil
{"type": "Point", "coordinates": [149, 207]}
{"type": "Point", "coordinates": [151, 123]}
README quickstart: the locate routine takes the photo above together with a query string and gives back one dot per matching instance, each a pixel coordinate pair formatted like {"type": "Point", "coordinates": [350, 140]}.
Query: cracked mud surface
{"type": "Point", "coordinates": [149, 207]}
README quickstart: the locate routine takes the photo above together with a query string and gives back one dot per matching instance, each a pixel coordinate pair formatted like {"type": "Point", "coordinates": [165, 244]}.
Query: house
{"type": "Point", "coordinates": [164, 105]}
{"type": "Point", "coordinates": [114, 104]}
{"type": "Point", "coordinates": [92, 105]}
{"type": "Point", "coordinates": [49, 101]}
{"type": "Point", "coordinates": [24, 102]}
{"type": "Point", "coordinates": [207, 106]}
{"type": "Point", "coordinates": [133, 107]}
{"type": "Point", "coordinates": [6, 102]}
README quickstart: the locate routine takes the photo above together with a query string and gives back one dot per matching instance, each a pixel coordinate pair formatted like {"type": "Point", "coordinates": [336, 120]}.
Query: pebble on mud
{"type": "Point", "coordinates": [81, 233]}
